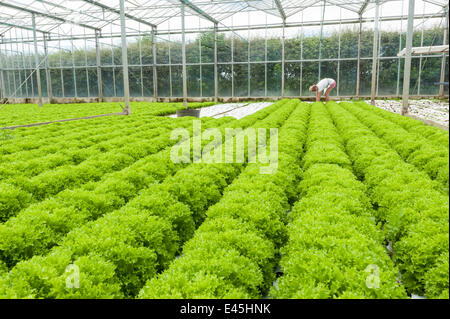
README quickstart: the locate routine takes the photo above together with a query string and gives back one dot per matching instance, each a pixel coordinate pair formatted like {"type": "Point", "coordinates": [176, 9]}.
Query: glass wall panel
{"type": "Point", "coordinates": [274, 79]}
{"type": "Point", "coordinates": [81, 78]}
{"type": "Point", "coordinates": [225, 79]}
{"type": "Point", "coordinates": [257, 49]}
{"type": "Point", "coordinates": [108, 82]}
{"type": "Point", "coordinates": [147, 80]}
{"type": "Point", "coordinates": [292, 48]}
{"type": "Point", "coordinates": [193, 51]}
{"type": "Point", "coordinates": [224, 47]}
{"type": "Point", "coordinates": [240, 50]}
{"type": "Point", "coordinates": [147, 50]}
{"type": "Point", "coordinates": [119, 81]}
{"type": "Point", "coordinates": [55, 75]}
{"type": "Point", "coordinates": [240, 80]}
{"type": "Point", "coordinates": [207, 47]}
{"type": "Point", "coordinates": [365, 76]}
{"type": "Point", "coordinates": [69, 86]}
{"type": "Point", "coordinates": [274, 45]}
{"type": "Point", "coordinates": [93, 83]}
{"type": "Point", "coordinates": [330, 42]}
{"type": "Point", "coordinates": [163, 81]}
{"type": "Point", "coordinates": [208, 80]}
{"type": "Point", "coordinates": [349, 41]}
{"type": "Point", "coordinates": [430, 75]}
{"type": "Point", "coordinates": [347, 78]}
{"type": "Point", "coordinates": [257, 80]}
{"type": "Point", "coordinates": [292, 79]}
{"type": "Point", "coordinates": [387, 78]}
{"type": "Point", "coordinates": [177, 81]}
{"type": "Point", "coordinates": [311, 42]}
{"type": "Point", "coordinates": [162, 52]}
{"type": "Point", "coordinates": [134, 75]}
{"type": "Point", "coordinates": [309, 77]}
{"type": "Point", "coordinates": [193, 80]}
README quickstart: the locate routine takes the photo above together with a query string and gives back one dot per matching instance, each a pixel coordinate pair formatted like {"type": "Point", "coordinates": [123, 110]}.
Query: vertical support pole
{"type": "Point", "coordinates": [17, 55]}
{"type": "Point", "coordinates": [99, 68]}
{"type": "Point", "coordinates": [20, 53]}
{"type": "Point", "coordinates": [47, 71]}
{"type": "Point", "coordinates": [155, 72]}
{"type": "Point", "coordinates": [407, 68]}
{"type": "Point", "coordinates": [338, 75]}
{"type": "Point", "coordinates": [397, 90]}
{"type": "Point", "coordinates": [320, 42]}
{"type": "Point", "coordinates": [301, 59]}
{"type": "Point", "coordinates": [170, 65]}
{"type": "Point", "coordinates": [126, 86]}
{"type": "Point", "coordinates": [358, 64]}
{"type": "Point", "coordinates": [216, 77]}
{"type": "Point", "coordinates": [36, 59]}
{"type": "Point", "coordinates": [74, 73]}
{"type": "Point", "coordinates": [140, 63]}
{"type": "Point", "coordinates": [2, 78]}
{"type": "Point", "coordinates": [379, 52]}
{"type": "Point", "coordinates": [265, 60]}
{"type": "Point", "coordinates": [201, 62]}
{"type": "Point", "coordinates": [249, 74]}
{"type": "Point", "coordinates": [61, 69]}
{"type": "Point", "coordinates": [375, 54]}
{"type": "Point", "coordinates": [13, 67]}
{"type": "Point", "coordinates": [248, 65]}
{"type": "Point", "coordinates": [7, 61]}
{"type": "Point", "coordinates": [419, 78]}
{"type": "Point", "coordinates": [444, 42]}
{"type": "Point", "coordinates": [283, 60]}
{"type": "Point", "coordinates": [86, 64]}
{"type": "Point", "coordinates": [248, 57]}
{"type": "Point", "coordinates": [183, 53]}
{"type": "Point", "coordinates": [232, 64]}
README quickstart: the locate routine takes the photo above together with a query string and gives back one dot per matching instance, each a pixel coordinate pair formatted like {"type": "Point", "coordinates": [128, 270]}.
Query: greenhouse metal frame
{"type": "Point", "coordinates": [35, 35]}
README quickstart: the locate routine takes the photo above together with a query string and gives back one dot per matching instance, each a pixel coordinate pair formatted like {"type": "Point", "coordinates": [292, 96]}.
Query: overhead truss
{"type": "Point", "coordinates": [97, 15]}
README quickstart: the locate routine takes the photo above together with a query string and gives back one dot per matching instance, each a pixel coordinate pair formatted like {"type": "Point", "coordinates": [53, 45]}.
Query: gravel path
{"type": "Point", "coordinates": [436, 111]}
{"type": "Point", "coordinates": [236, 110]}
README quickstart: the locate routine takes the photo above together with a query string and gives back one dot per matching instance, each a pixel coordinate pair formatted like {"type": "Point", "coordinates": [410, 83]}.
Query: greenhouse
{"type": "Point", "coordinates": [235, 149]}
{"type": "Point", "coordinates": [228, 49]}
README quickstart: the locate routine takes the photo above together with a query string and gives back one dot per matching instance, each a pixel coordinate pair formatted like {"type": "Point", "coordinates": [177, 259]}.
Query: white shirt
{"type": "Point", "coordinates": [324, 84]}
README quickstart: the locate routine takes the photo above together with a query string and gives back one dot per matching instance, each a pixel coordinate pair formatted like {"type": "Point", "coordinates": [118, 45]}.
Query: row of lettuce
{"type": "Point", "coordinates": [230, 223]}
{"type": "Point", "coordinates": [66, 155]}
{"type": "Point", "coordinates": [74, 195]}
{"type": "Point", "coordinates": [414, 148]}
{"type": "Point", "coordinates": [334, 243]}
{"type": "Point", "coordinates": [235, 250]}
{"type": "Point", "coordinates": [413, 212]}
{"type": "Point", "coordinates": [118, 250]}
{"type": "Point", "coordinates": [335, 249]}
{"type": "Point", "coordinates": [20, 186]}
{"type": "Point", "coordinates": [435, 135]}
{"type": "Point", "coordinates": [19, 114]}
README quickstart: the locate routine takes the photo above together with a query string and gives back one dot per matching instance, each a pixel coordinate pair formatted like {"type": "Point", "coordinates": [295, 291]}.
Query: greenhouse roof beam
{"type": "Point", "coordinates": [280, 9]}
{"type": "Point", "coordinates": [46, 15]}
{"type": "Point", "coordinates": [437, 3]}
{"type": "Point", "coordinates": [21, 27]}
{"type": "Point", "coordinates": [199, 11]}
{"type": "Point", "coordinates": [245, 28]}
{"type": "Point", "coordinates": [129, 16]}
{"type": "Point", "coordinates": [364, 7]}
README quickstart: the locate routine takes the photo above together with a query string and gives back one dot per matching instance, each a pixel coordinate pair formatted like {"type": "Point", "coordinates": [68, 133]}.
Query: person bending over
{"type": "Point", "coordinates": [325, 85]}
